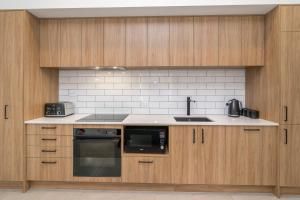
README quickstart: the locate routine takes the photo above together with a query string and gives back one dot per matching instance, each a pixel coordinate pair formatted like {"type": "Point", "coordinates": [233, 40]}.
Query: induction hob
{"type": "Point", "coordinates": [103, 118]}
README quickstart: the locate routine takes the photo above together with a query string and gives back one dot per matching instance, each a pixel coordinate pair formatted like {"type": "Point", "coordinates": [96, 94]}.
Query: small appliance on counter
{"type": "Point", "coordinates": [234, 108]}
{"type": "Point", "coordinates": [60, 109]}
{"type": "Point", "coordinates": [247, 112]}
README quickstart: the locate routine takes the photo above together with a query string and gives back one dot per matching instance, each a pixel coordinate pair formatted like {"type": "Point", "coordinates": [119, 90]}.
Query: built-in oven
{"type": "Point", "coordinates": [97, 152]}
{"type": "Point", "coordinates": [146, 139]}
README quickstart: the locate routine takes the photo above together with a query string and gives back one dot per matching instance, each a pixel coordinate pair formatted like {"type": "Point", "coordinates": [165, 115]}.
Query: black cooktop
{"type": "Point", "coordinates": [104, 118]}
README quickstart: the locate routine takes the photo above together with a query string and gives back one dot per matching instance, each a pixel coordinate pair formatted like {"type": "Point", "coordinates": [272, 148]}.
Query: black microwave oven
{"type": "Point", "coordinates": [146, 139]}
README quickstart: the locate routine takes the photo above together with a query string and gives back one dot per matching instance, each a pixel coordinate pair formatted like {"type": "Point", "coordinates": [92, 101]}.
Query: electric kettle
{"type": "Point", "coordinates": [234, 108]}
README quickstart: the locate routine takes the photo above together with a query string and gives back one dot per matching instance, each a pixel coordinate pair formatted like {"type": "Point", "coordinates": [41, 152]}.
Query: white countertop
{"type": "Point", "coordinates": [223, 120]}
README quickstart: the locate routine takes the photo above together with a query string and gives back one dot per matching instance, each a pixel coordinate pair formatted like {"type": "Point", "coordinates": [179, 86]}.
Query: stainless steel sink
{"type": "Point", "coordinates": [192, 119]}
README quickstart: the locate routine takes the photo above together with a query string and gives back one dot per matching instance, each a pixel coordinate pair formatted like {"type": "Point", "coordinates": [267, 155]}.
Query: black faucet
{"type": "Point", "coordinates": [188, 105]}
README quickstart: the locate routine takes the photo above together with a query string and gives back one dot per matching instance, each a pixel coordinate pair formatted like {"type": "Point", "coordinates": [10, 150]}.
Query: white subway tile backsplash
{"type": "Point", "coordinates": [151, 91]}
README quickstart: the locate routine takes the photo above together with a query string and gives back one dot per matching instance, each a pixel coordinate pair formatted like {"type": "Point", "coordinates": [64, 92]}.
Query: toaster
{"type": "Point", "coordinates": [60, 109]}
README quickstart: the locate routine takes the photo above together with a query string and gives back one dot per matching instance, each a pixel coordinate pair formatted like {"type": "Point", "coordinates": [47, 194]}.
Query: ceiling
{"type": "Point", "coordinates": [111, 8]}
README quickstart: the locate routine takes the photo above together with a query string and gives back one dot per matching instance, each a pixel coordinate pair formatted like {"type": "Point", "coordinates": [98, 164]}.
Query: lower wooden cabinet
{"type": "Point", "coordinates": [197, 154]}
{"type": "Point", "coordinates": [251, 155]}
{"type": "Point", "coordinates": [148, 169]}
{"type": "Point", "coordinates": [49, 169]}
{"type": "Point", "coordinates": [290, 156]}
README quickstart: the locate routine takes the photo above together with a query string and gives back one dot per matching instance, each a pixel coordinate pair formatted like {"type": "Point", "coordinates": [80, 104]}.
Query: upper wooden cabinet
{"type": "Point", "coordinates": [50, 43]}
{"type": "Point", "coordinates": [71, 45]}
{"type": "Point", "coordinates": [92, 42]}
{"type": "Point", "coordinates": [136, 41]}
{"type": "Point", "coordinates": [230, 41]}
{"type": "Point", "coordinates": [290, 18]}
{"type": "Point", "coordinates": [206, 41]}
{"type": "Point", "coordinates": [158, 41]}
{"type": "Point", "coordinates": [114, 41]}
{"type": "Point", "coordinates": [253, 40]}
{"type": "Point", "coordinates": [250, 156]}
{"type": "Point", "coordinates": [181, 41]}
{"type": "Point", "coordinates": [290, 70]}
{"type": "Point", "coordinates": [197, 154]}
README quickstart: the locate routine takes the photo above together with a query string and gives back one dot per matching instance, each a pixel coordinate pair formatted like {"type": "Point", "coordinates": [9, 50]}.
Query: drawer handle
{"type": "Point", "coordinates": [48, 162]}
{"type": "Point", "coordinates": [49, 127]}
{"type": "Point", "coordinates": [49, 151]}
{"type": "Point", "coordinates": [145, 162]}
{"type": "Point", "coordinates": [251, 129]}
{"type": "Point", "coordinates": [194, 136]}
{"type": "Point", "coordinates": [49, 139]}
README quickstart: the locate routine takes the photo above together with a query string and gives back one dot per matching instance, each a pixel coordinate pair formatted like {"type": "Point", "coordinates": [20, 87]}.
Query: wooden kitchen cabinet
{"type": "Point", "coordinates": [181, 41]}
{"type": "Point", "coordinates": [290, 70]}
{"type": "Point", "coordinates": [206, 41]}
{"type": "Point", "coordinates": [289, 155]}
{"type": "Point", "coordinates": [49, 169]}
{"type": "Point", "coordinates": [148, 169]}
{"type": "Point", "coordinates": [290, 18]}
{"type": "Point", "coordinates": [158, 41]}
{"type": "Point", "coordinates": [197, 154]}
{"type": "Point", "coordinates": [71, 44]}
{"type": "Point", "coordinates": [230, 41]}
{"type": "Point", "coordinates": [136, 42]}
{"type": "Point", "coordinates": [250, 156]}
{"type": "Point", "coordinates": [92, 42]}
{"type": "Point", "coordinates": [114, 41]}
{"type": "Point", "coordinates": [253, 28]}
{"type": "Point", "coordinates": [50, 43]}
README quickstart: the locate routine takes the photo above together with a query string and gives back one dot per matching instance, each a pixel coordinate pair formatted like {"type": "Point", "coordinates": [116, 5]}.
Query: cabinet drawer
{"type": "Point", "coordinates": [49, 169]}
{"type": "Point", "coordinates": [49, 140]}
{"type": "Point", "coordinates": [48, 129]}
{"type": "Point", "coordinates": [49, 152]}
{"type": "Point", "coordinates": [146, 169]}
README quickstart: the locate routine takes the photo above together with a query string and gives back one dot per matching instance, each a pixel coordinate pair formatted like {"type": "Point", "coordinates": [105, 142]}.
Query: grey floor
{"type": "Point", "coordinates": [39, 194]}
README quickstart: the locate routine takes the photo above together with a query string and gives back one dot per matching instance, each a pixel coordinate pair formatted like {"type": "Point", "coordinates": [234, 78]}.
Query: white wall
{"type": "Point", "coordinates": [151, 91]}
{"type": "Point", "coordinates": [37, 4]}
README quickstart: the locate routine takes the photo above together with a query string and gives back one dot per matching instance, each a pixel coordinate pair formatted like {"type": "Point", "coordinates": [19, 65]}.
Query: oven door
{"type": "Point", "coordinates": [97, 157]}
{"type": "Point", "coordinates": [139, 140]}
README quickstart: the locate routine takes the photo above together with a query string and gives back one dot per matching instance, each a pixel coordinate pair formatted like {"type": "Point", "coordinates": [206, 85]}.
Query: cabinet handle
{"type": "Point", "coordinates": [202, 134]}
{"type": "Point", "coordinates": [49, 151]}
{"type": "Point", "coordinates": [49, 127]}
{"type": "Point", "coordinates": [48, 162]}
{"type": "Point", "coordinates": [194, 136]}
{"type": "Point", "coordinates": [145, 162]}
{"type": "Point", "coordinates": [5, 111]}
{"type": "Point", "coordinates": [286, 136]}
{"type": "Point", "coordinates": [50, 139]}
{"type": "Point", "coordinates": [251, 129]}
{"type": "Point", "coordinates": [286, 113]}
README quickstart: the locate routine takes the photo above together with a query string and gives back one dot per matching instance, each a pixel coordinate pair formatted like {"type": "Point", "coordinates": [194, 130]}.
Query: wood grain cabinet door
{"type": "Point", "coordinates": [148, 169]}
{"type": "Point", "coordinates": [181, 41]}
{"type": "Point", "coordinates": [290, 71]}
{"type": "Point", "coordinates": [11, 62]}
{"type": "Point", "coordinates": [70, 54]}
{"type": "Point", "coordinates": [92, 42]}
{"type": "Point", "coordinates": [50, 43]}
{"type": "Point", "coordinates": [206, 41]}
{"type": "Point", "coordinates": [230, 41]}
{"type": "Point", "coordinates": [290, 18]}
{"type": "Point", "coordinates": [136, 41]}
{"type": "Point", "coordinates": [253, 40]}
{"type": "Point", "coordinates": [289, 156]}
{"type": "Point", "coordinates": [114, 41]}
{"type": "Point", "coordinates": [184, 148]}
{"type": "Point", "coordinates": [158, 41]}
{"type": "Point", "coordinates": [250, 156]}
{"type": "Point", "coordinates": [211, 164]}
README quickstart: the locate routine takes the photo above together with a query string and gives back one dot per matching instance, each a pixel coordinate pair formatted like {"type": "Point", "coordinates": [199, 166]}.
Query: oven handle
{"type": "Point", "coordinates": [98, 140]}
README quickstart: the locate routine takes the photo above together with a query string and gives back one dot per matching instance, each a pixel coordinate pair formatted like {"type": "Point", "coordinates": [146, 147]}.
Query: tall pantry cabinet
{"type": "Point", "coordinates": [275, 89]}
{"type": "Point", "coordinates": [24, 88]}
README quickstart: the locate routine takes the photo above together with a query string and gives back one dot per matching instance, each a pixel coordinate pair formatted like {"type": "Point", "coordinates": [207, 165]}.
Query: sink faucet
{"type": "Point", "coordinates": [188, 103]}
